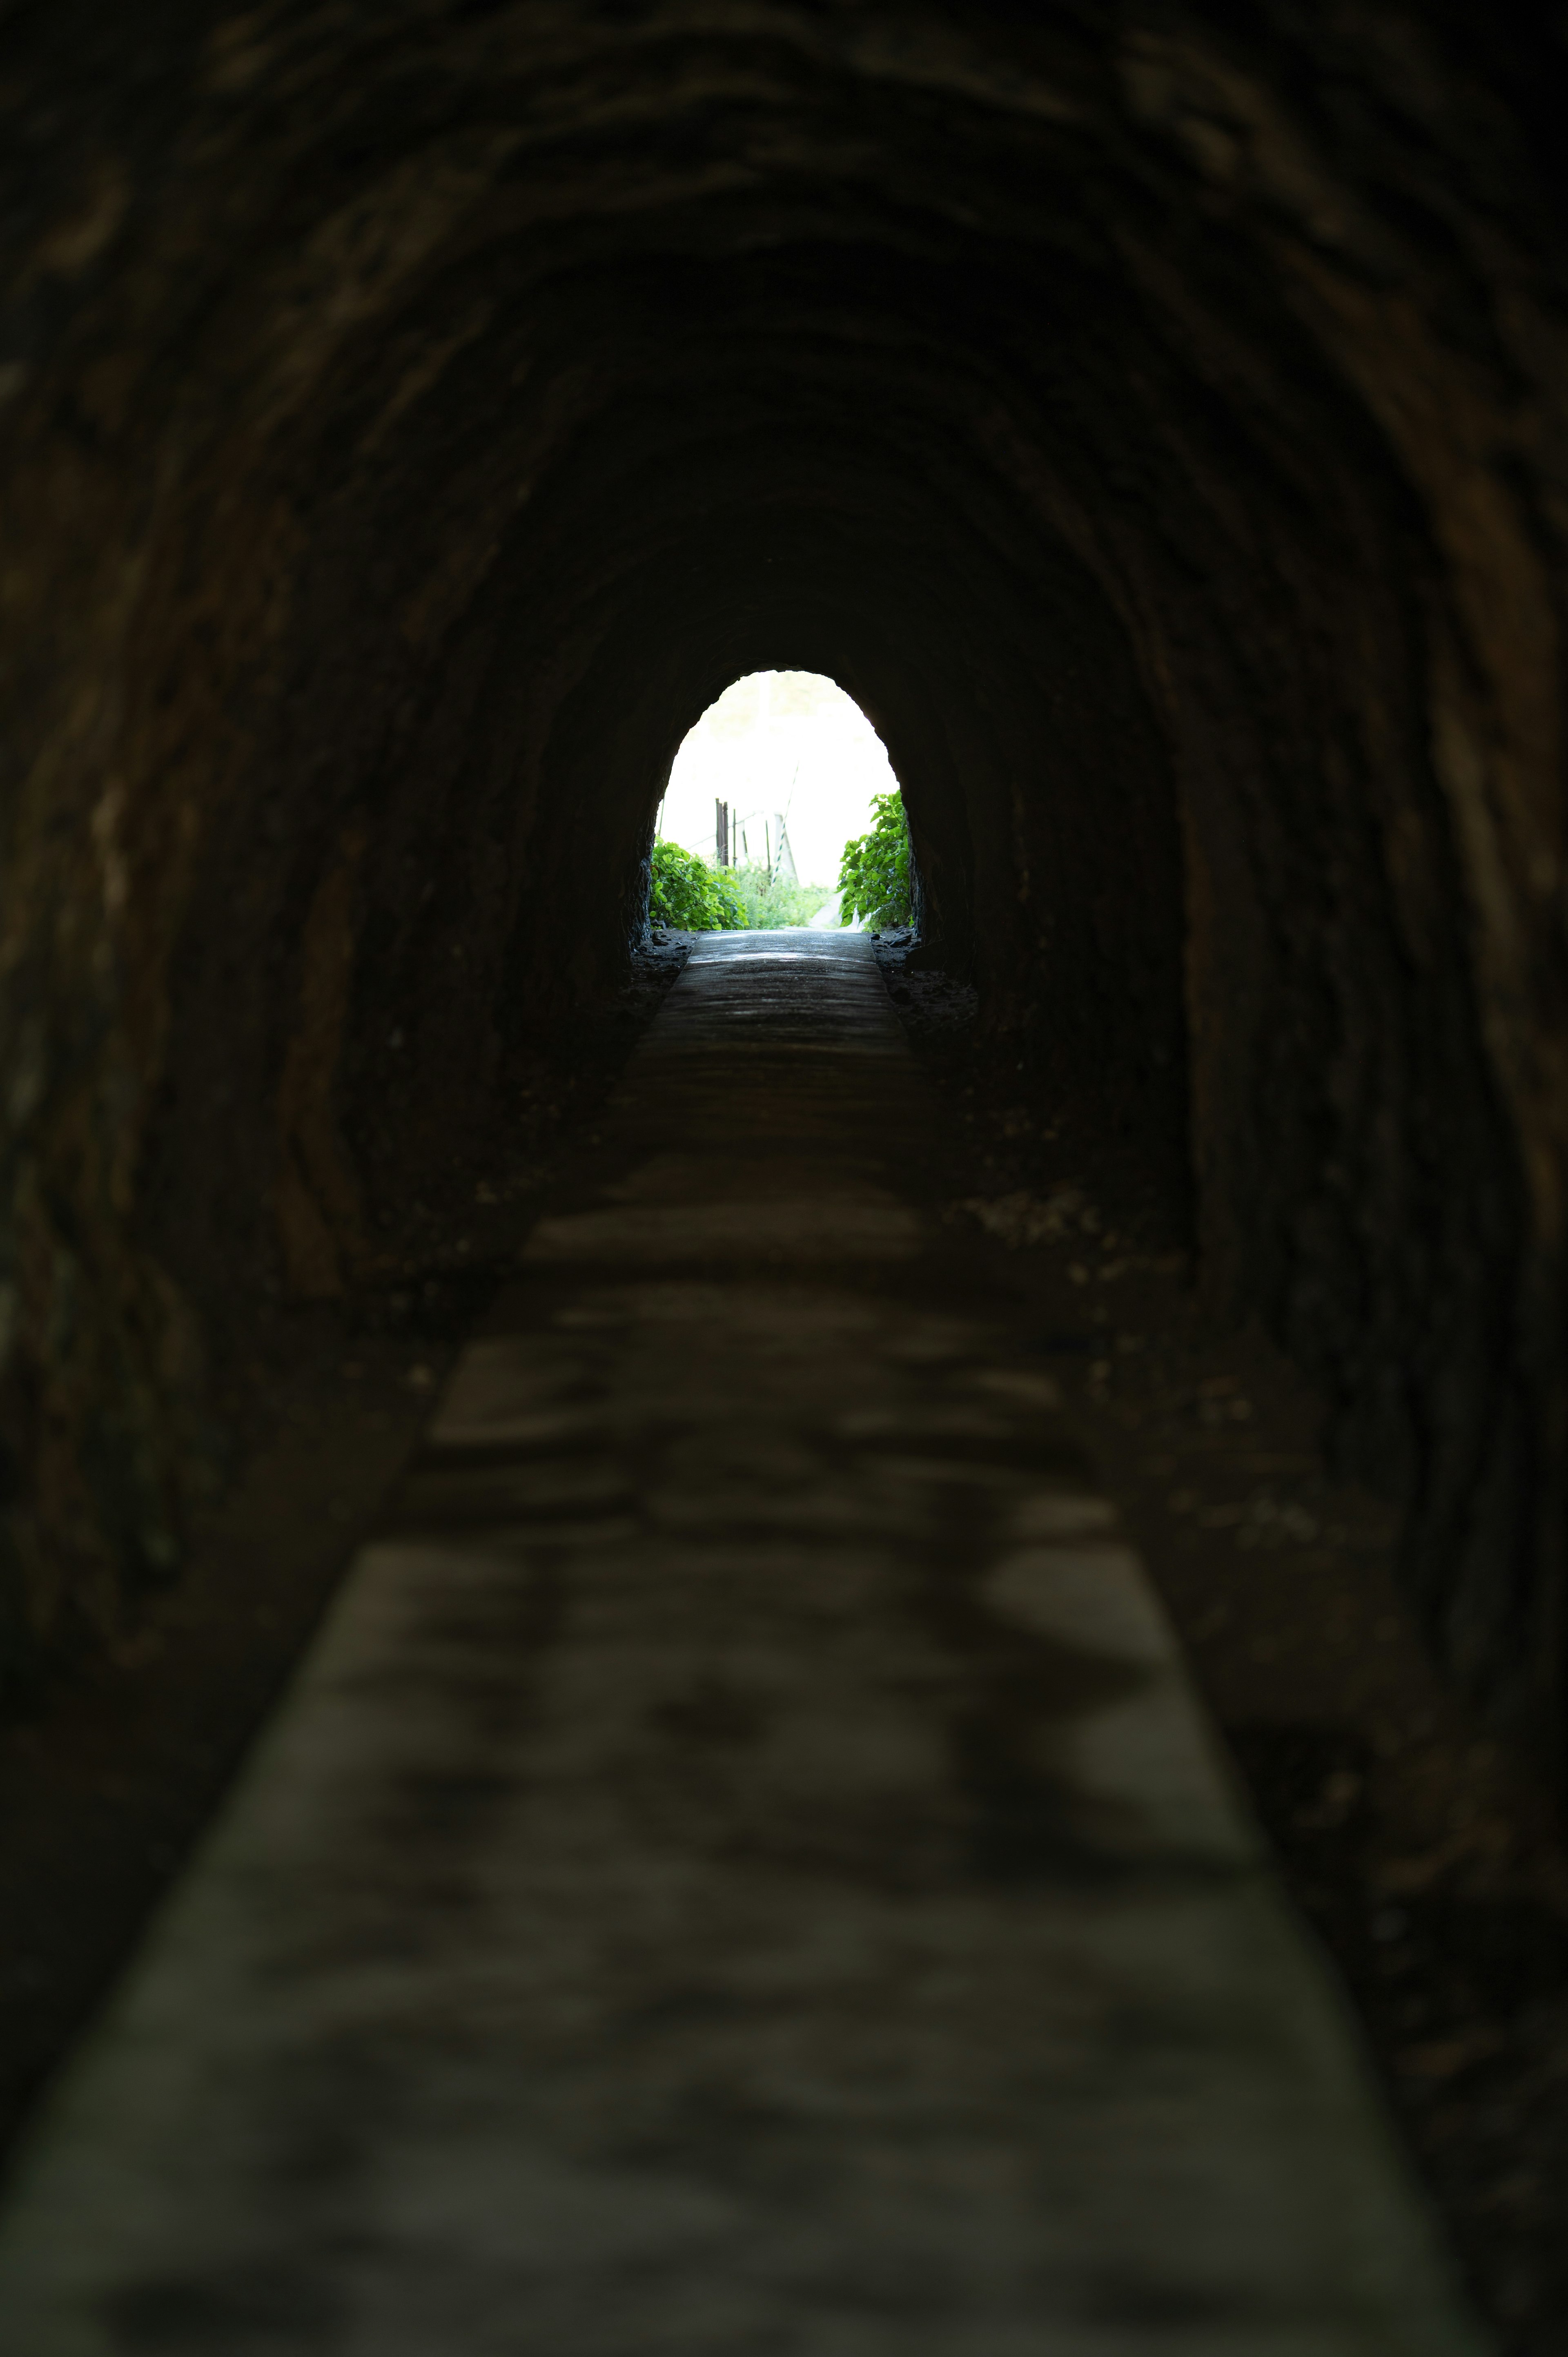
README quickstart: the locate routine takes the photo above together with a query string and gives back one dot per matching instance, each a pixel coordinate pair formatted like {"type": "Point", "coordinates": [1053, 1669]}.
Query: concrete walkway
{"type": "Point", "coordinates": [742, 1873]}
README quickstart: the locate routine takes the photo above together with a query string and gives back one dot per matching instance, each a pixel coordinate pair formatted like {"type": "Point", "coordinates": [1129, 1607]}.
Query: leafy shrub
{"type": "Point", "coordinates": [773, 900]}
{"type": "Point", "coordinates": [874, 880]}
{"type": "Point", "coordinates": [692, 896]}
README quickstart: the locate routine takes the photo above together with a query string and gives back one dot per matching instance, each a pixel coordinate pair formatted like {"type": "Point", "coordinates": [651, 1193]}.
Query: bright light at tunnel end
{"type": "Point", "coordinates": [788, 745]}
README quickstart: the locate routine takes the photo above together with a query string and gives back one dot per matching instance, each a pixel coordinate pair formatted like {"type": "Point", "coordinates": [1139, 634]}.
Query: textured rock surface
{"type": "Point", "coordinates": [1154, 416]}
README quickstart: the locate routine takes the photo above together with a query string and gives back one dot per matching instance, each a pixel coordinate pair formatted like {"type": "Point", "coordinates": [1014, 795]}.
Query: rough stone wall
{"type": "Point", "coordinates": [413, 414]}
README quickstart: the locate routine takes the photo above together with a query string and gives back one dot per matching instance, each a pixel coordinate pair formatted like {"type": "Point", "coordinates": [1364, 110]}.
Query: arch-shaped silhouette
{"type": "Point", "coordinates": [780, 771]}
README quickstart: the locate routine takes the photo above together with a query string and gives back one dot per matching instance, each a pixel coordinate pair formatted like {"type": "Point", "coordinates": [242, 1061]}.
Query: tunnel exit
{"type": "Point", "coordinates": [781, 770]}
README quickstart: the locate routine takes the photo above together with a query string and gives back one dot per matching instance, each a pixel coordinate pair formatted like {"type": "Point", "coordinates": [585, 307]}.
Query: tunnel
{"type": "Point", "coordinates": [1152, 416]}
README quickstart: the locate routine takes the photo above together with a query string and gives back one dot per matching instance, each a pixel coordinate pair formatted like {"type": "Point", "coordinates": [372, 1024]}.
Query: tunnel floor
{"type": "Point", "coordinates": [744, 1865]}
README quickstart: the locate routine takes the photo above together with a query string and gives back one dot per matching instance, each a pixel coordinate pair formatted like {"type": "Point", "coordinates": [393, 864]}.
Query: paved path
{"type": "Point", "coordinates": [742, 1872]}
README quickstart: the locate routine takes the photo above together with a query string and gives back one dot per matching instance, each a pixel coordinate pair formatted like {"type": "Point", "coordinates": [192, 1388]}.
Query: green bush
{"type": "Point", "coordinates": [773, 900]}
{"type": "Point", "coordinates": [873, 881]}
{"type": "Point", "coordinates": [689, 895]}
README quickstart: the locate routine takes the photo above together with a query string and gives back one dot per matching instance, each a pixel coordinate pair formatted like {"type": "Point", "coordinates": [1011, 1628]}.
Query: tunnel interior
{"type": "Point", "coordinates": [1152, 417]}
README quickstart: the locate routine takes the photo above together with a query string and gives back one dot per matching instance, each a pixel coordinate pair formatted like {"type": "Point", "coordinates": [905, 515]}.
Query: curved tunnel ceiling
{"type": "Point", "coordinates": [1153, 417]}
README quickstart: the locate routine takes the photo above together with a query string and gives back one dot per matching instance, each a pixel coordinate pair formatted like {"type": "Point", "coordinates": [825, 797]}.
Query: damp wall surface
{"type": "Point", "coordinates": [413, 415]}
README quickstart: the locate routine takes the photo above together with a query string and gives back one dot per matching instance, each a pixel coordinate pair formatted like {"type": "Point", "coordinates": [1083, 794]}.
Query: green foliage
{"type": "Point", "coordinates": [873, 881]}
{"type": "Point", "coordinates": [773, 900]}
{"type": "Point", "coordinates": [731, 908]}
{"type": "Point", "coordinates": [689, 895]}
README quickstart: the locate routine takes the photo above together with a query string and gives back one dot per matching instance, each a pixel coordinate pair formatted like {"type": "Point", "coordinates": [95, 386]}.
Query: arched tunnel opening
{"type": "Point", "coordinates": [1153, 419]}
{"type": "Point", "coordinates": [783, 780]}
